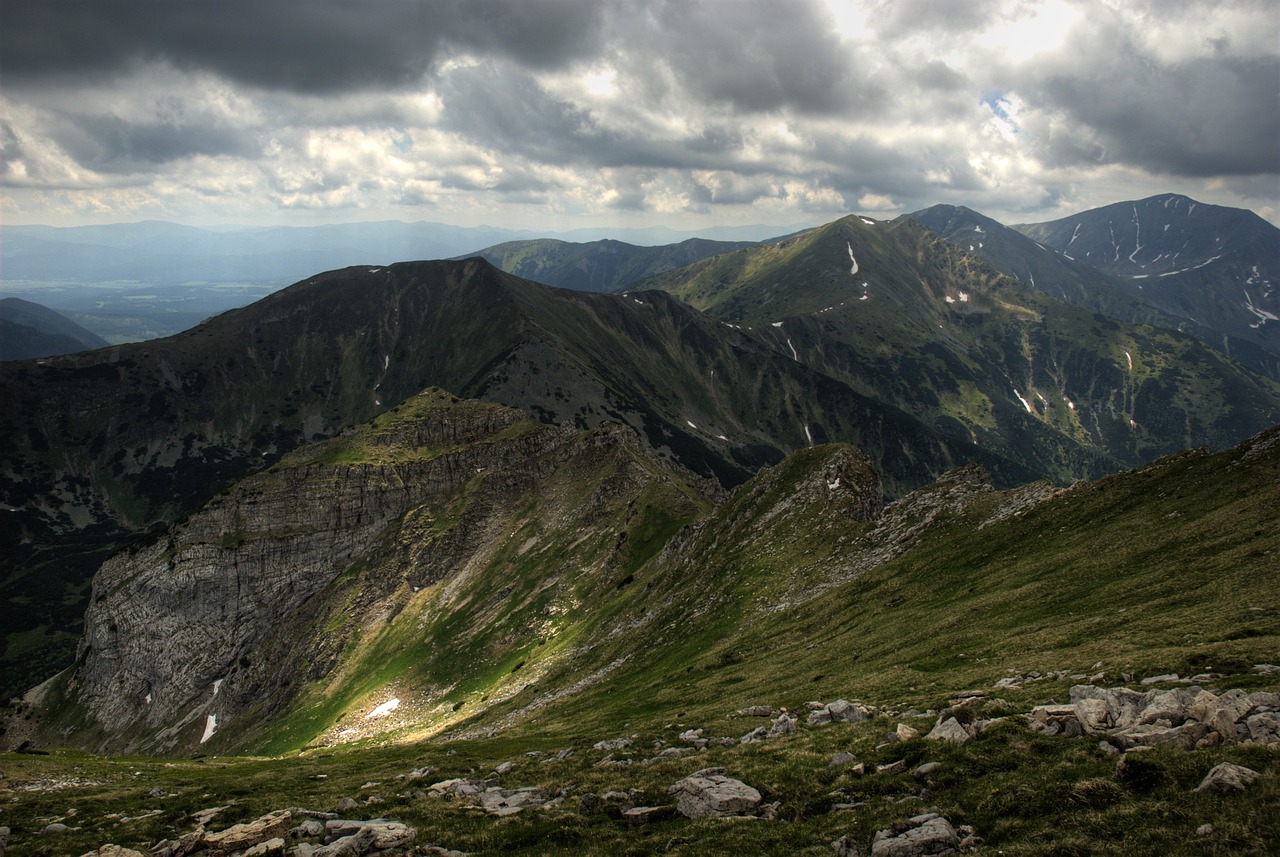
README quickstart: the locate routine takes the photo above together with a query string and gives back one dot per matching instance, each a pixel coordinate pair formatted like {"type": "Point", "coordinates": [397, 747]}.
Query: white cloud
{"type": "Point", "coordinates": [688, 113]}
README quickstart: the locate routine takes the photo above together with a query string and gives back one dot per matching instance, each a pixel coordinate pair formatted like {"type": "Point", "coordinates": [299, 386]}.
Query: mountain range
{"type": "Point", "coordinates": [437, 511]}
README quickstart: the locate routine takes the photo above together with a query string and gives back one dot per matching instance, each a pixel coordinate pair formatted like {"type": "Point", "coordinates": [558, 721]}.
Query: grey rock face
{"type": "Point", "coordinates": [928, 834]}
{"type": "Point", "coordinates": [1228, 777]}
{"type": "Point", "coordinates": [710, 793]}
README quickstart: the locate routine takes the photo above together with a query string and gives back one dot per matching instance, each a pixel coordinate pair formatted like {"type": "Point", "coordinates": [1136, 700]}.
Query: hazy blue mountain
{"type": "Point", "coordinates": [29, 330]}
{"type": "Point", "coordinates": [599, 266]}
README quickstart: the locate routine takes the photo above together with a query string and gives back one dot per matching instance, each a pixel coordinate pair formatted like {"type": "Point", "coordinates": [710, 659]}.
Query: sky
{"type": "Point", "coordinates": [557, 114]}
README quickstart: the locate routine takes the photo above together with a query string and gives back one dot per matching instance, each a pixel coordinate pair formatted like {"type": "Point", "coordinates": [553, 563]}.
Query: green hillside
{"type": "Point", "coordinates": [596, 614]}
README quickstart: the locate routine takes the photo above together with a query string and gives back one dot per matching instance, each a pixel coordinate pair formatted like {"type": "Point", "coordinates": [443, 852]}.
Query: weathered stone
{"type": "Point", "coordinates": [309, 829]}
{"type": "Point", "coordinates": [843, 759]}
{"type": "Point", "coordinates": [892, 767]}
{"type": "Point", "coordinates": [1159, 679]}
{"type": "Point", "coordinates": [499, 801]}
{"type": "Point", "coordinates": [784, 725]}
{"type": "Point", "coordinates": [1093, 714]}
{"type": "Point", "coordinates": [1264, 727]}
{"type": "Point", "coordinates": [926, 769]}
{"type": "Point", "coordinates": [710, 793]}
{"type": "Point", "coordinates": [238, 837]}
{"type": "Point", "coordinates": [346, 803]}
{"type": "Point", "coordinates": [1227, 777]}
{"type": "Point", "coordinates": [949, 730]}
{"type": "Point", "coordinates": [104, 851]}
{"type": "Point", "coordinates": [757, 734]}
{"type": "Point", "coordinates": [906, 732]}
{"type": "Point", "coordinates": [645, 814]}
{"type": "Point", "coordinates": [1182, 737]}
{"type": "Point", "coordinates": [275, 846]}
{"type": "Point", "coordinates": [504, 767]}
{"type": "Point", "coordinates": [612, 744]}
{"type": "Point", "coordinates": [928, 834]}
{"type": "Point", "coordinates": [755, 711]}
{"type": "Point", "coordinates": [842, 710]}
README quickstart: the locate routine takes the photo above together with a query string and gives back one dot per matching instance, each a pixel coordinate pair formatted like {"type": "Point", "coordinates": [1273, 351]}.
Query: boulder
{"type": "Point", "coordinates": [710, 793]}
{"type": "Point", "coordinates": [784, 725]}
{"type": "Point", "coordinates": [842, 710]}
{"type": "Point", "coordinates": [1227, 777]}
{"type": "Point", "coordinates": [104, 851]}
{"type": "Point", "coordinates": [1264, 727]}
{"type": "Point", "coordinates": [241, 837]}
{"type": "Point", "coordinates": [924, 835]}
{"type": "Point", "coordinates": [499, 801]}
{"type": "Point", "coordinates": [612, 744]}
{"type": "Point", "coordinates": [949, 730]}
{"type": "Point", "coordinates": [757, 734]}
{"type": "Point", "coordinates": [1184, 737]}
{"type": "Point", "coordinates": [270, 848]}
{"type": "Point", "coordinates": [906, 732]}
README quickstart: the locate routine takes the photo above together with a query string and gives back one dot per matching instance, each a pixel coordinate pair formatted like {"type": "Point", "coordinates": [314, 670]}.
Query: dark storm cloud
{"type": "Point", "coordinates": [316, 46]}
{"type": "Point", "coordinates": [1202, 117]}
{"type": "Point", "coordinates": [109, 144]}
{"type": "Point", "coordinates": [756, 55]}
{"type": "Point", "coordinates": [513, 114]}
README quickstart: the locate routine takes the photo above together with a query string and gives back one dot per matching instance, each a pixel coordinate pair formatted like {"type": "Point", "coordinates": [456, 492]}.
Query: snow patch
{"type": "Point", "coordinates": [807, 434]}
{"type": "Point", "coordinates": [1263, 315]}
{"type": "Point", "coordinates": [386, 361]}
{"type": "Point", "coordinates": [978, 229]}
{"type": "Point", "coordinates": [384, 709]}
{"type": "Point", "coordinates": [834, 486]}
{"type": "Point", "coordinates": [210, 726]}
{"type": "Point", "coordinates": [867, 221]}
{"type": "Point", "coordinates": [950, 299]}
{"type": "Point", "coordinates": [1025, 403]}
{"type": "Point", "coordinates": [721, 437]}
{"type": "Point", "coordinates": [148, 699]}
{"type": "Point", "coordinates": [776, 323]}
{"type": "Point", "coordinates": [854, 269]}
{"type": "Point", "coordinates": [217, 685]}
{"type": "Point", "coordinates": [1129, 357]}
{"type": "Point", "coordinates": [690, 424]}
{"type": "Point", "coordinates": [794, 355]}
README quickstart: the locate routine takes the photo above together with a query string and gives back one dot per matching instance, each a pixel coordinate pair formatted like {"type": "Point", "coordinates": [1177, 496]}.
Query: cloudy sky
{"type": "Point", "coordinates": [690, 113]}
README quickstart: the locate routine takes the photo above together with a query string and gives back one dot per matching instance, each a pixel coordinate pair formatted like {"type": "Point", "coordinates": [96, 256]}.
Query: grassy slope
{"type": "Point", "coordinates": [1170, 568]}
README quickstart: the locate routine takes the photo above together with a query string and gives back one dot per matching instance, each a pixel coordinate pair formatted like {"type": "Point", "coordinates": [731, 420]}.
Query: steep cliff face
{"type": "Point", "coordinates": [233, 611]}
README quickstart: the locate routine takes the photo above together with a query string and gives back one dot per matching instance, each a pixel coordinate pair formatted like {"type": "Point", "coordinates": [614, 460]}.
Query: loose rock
{"type": "Point", "coordinates": [710, 793]}
{"type": "Point", "coordinates": [1228, 777]}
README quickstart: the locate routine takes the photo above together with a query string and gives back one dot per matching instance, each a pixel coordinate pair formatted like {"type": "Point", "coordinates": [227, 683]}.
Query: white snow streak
{"type": "Point", "coordinates": [384, 709]}
{"type": "Point", "coordinates": [807, 434]}
{"type": "Point", "coordinates": [386, 361]}
{"type": "Point", "coordinates": [1074, 236]}
{"type": "Point", "coordinates": [794, 355]}
{"type": "Point", "coordinates": [691, 425]}
{"type": "Point", "coordinates": [867, 221]}
{"type": "Point", "coordinates": [776, 323]}
{"type": "Point", "coordinates": [854, 269]}
{"type": "Point", "coordinates": [217, 685]}
{"type": "Point", "coordinates": [1262, 314]}
{"type": "Point", "coordinates": [1129, 357]}
{"type": "Point", "coordinates": [210, 726]}
{"type": "Point", "coordinates": [1025, 403]}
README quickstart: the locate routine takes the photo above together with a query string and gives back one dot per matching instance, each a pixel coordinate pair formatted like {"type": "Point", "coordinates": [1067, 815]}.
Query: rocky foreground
{"type": "Point", "coordinates": [1127, 722]}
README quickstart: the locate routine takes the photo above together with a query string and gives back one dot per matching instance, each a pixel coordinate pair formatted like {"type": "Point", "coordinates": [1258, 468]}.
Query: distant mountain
{"type": "Point", "coordinates": [1216, 267]}
{"type": "Point", "coordinates": [599, 266]}
{"type": "Point", "coordinates": [1076, 282]}
{"type": "Point", "coordinates": [28, 330]}
{"type": "Point", "coordinates": [913, 321]}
